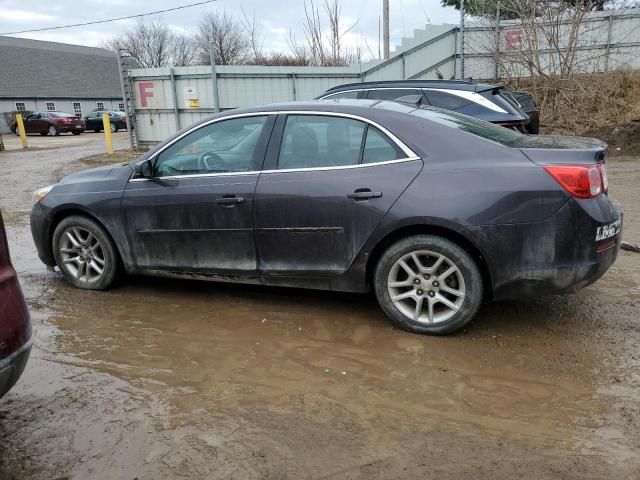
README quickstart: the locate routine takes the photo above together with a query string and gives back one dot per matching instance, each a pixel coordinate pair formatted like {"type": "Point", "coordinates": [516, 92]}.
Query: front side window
{"type": "Point", "coordinates": [51, 106]}
{"type": "Point", "coordinates": [221, 147]}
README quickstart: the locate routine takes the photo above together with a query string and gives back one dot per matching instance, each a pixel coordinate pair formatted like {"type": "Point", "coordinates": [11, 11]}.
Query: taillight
{"type": "Point", "coordinates": [581, 181]}
{"type": "Point", "coordinates": [605, 177]}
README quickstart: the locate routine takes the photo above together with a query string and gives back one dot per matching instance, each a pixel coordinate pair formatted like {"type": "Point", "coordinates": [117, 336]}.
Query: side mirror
{"type": "Point", "coordinates": [144, 169]}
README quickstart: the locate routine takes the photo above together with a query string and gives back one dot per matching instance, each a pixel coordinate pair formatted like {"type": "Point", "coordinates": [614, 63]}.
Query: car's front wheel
{"type": "Point", "coordinates": [53, 130]}
{"type": "Point", "coordinates": [428, 284]}
{"type": "Point", "coordinates": [85, 253]}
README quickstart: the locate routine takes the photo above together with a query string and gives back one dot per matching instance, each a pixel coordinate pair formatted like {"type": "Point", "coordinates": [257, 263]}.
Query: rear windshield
{"type": "Point", "coordinates": [505, 136]}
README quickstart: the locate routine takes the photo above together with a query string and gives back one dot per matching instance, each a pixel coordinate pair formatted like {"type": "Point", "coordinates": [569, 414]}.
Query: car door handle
{"type": "Point", "coordinates": [229, 200]}
{"type": "Point", "coordinates": [363, 194]}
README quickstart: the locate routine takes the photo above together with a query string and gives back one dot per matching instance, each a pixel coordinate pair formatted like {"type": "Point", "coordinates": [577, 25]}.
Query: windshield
{"type": "Point", "coordinates": [496, 133]}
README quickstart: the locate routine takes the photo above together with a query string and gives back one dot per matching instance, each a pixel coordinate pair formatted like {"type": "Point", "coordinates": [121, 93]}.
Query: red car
{"type": "Point", "coordinates": [15, 323]}
{"type": "Point", "coordinates": [52, 123]}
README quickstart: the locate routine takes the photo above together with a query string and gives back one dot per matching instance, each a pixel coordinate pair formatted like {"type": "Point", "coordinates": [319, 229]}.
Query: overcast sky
{"type": "Point", "coordinates": [277, 17]}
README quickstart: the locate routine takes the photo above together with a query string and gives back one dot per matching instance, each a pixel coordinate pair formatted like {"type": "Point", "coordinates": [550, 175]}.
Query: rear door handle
{"type": "Point", "coordinates": [363, 194]}
{"type": "Point", "coordinates": [229, 200]}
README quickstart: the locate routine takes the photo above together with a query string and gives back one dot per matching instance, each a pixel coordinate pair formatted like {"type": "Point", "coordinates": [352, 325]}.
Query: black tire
{"type": "Point", "coordinates": [109, 252]}
{"type": "Point", "coordinates": [53, 130]}
{"type": "Point", "coordinates": [75, 132]}
{"type": "Point", "coordinates": [114, 128]}
{"type": "Point", "coordinates": [97, 130]}
{"type": "Point", "coordinates": [454, 254]}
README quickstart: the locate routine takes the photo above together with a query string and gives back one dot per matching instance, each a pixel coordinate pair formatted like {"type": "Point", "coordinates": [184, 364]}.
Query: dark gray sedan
{"type": "Point", "coordinates": [434, 211]}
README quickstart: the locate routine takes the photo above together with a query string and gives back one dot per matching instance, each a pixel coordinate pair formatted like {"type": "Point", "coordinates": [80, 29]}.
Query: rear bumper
{"type": "Point", "coordinates": [11, 368]}
{"type": "Point", "coordinates": [559, 255]}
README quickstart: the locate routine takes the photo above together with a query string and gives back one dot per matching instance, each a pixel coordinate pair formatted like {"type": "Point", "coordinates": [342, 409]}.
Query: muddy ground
{"type": "Point", "coordinates": [177, 379]}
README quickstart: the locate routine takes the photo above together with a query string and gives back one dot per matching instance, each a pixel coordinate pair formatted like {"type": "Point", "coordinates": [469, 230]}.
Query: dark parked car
{"type": "Point", "coordinates": [479, 100]}
{"type": "Point", "coordinates": [117, 121]}
{"type": "Point", "coordinates": [52, 123]}
{"type": "Point", "coordinates": [528, 106]}
{"type": "Point", "coordinates": [433, 210]}
{"type": "Point", "coordinates": [15, 324]}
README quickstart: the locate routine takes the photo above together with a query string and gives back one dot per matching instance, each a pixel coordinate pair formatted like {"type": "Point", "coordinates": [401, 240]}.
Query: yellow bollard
{"type": "Point", "coordinates": [21, 132]}
{"type": "Point", "coordinates": [106, 123]}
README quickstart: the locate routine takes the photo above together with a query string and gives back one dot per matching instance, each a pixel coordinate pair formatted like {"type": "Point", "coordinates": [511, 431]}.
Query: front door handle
{"type": "Point", "coordinates": [363, 194]}
{"type": "Point", "coordinates": [229, 200]}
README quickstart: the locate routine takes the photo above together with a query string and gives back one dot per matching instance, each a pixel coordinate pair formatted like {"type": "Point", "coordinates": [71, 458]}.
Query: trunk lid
{"type": "Point", "coordinates": [562, 150]}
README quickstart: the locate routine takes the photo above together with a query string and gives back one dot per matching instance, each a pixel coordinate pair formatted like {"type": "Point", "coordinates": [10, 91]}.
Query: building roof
{"type": "Point", "coordinates": [32, 68]}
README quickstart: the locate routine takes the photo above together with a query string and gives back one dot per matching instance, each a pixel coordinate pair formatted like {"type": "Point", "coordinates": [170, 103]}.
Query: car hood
{"type": "Point", "coordinates": [108, 172]}
{"type": "Point", "coordinates": [555, 149]}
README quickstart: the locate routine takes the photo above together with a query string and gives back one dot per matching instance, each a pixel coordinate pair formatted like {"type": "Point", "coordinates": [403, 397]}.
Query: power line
{"type": "Point", "coordinates": [110, 19]}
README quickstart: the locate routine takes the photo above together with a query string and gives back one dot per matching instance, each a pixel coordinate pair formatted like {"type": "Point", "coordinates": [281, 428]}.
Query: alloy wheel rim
{"type": "Point", "coordinates": [52, 130]}
{"type": "Point", "coordinates": [426, 287]}
{"type": "Point", "coordinates": [82, 254]}
{"type": "Point", "coordinates": [113, 127]}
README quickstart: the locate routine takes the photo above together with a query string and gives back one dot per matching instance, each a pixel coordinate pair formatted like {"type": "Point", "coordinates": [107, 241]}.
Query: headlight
{"type": "Point", "coordinates": [41, 193]}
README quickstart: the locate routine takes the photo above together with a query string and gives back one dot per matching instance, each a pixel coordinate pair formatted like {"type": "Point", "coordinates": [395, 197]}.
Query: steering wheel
{"type": "Point", "coordinates": [211, 162]}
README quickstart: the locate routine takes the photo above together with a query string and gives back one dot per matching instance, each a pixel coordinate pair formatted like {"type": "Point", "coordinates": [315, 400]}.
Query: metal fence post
{"type": "Point", "coordinates": [125, 100]}
{"type": "Point", "coordinates": [176, 112]}
{"type": "Point", "coordinates": [609, 35]}
{"type": "Point", "coordinates": [293, 86]}
{"type": "Point", "coordinates": [461, 39]}
{"type": "Point", "coordinates": [497, 53]}
{"type": "Point", "coordinates": [214, 79]}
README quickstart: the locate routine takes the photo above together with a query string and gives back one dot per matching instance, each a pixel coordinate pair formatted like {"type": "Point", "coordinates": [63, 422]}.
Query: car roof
{"type": "Point", "coordinates": [448, 84]}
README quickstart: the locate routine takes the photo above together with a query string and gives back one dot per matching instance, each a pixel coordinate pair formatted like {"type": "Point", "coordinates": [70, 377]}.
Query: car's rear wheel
{"type": "Point", "coordinates": [53, 130]}
{"type": "Point", "coordinates": [85, 253]}
{"type": "Point", "coordinates": [76, 132]}
{"type": "Point", "coordinates": [428, 284]}
{"type": "Point", "coordinates": [97, 130]}
{"type": "Point", "coordinates": [114, 128]}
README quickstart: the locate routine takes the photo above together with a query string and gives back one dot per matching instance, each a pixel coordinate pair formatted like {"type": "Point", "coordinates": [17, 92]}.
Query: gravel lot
{"type": "Point", "coordinates": [177, 379]}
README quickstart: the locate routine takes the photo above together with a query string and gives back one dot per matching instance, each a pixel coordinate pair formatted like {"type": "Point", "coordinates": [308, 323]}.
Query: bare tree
{"type": "Point", "coordinates": [230, 42]}
{"type": "Point", "coordinates": [320, 47]}
{"type": "Point", "coordinates": [152, 44]}
{"type": "Point", "coordinates": [254, 33]}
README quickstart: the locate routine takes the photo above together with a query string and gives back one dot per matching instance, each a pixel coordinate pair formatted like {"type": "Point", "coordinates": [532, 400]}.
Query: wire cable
{"type": "Point", "coordinates": [110, 19]}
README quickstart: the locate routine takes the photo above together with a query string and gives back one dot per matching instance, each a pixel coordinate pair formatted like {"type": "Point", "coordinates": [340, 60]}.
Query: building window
{"type": "Point", "coordinates": [77, 109]}
{"type": "Point", "coordinates": [51, 106]}
{"type": "Point", "coordinates": [21, 107]}
{"type": "Point", "coordinates": [121, 107]}
{"type": "Point", "coordinates": [100, 105]}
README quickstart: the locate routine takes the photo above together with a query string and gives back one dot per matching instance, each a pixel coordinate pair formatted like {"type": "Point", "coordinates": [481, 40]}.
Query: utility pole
{"type": "Point", "coordinates": [385, 23]}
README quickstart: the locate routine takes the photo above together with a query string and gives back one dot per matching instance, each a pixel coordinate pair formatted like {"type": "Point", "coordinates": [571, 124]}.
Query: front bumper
{"type": "Point", "coordinates": [11, 368]}
{"type": "Point", "coordinates": [559, 255]}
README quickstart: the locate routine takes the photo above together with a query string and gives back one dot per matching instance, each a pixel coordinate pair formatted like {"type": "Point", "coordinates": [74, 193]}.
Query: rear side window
{"type": "Point", "coordinates": [342, 95]}
{"type": "Point", "coordinates": [391, 93]}
{"type": "Point", "coordinates": [316, 141]}
{"type": "Point", "coordinates": [446, 100]}
{"type": "Point", "coordinates": [320, 141]}
{"type": "Point", "coordinates": [378, 148]}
